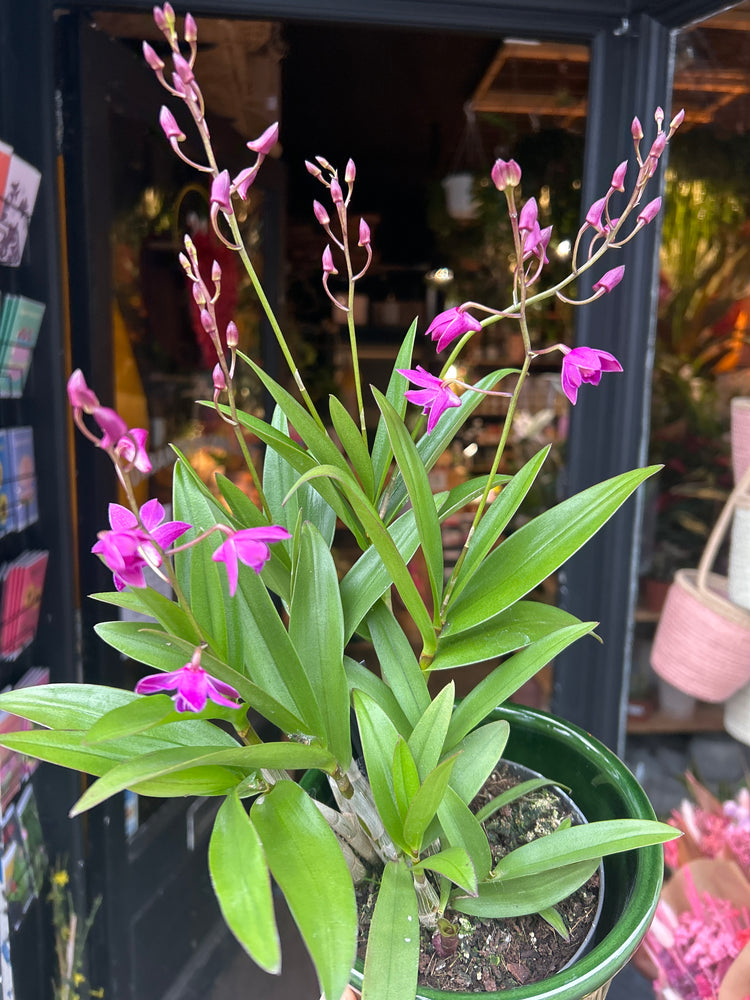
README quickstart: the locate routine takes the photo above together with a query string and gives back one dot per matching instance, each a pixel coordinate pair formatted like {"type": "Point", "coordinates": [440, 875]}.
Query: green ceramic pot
{"type": "Point", "coordinates": [604, 789]}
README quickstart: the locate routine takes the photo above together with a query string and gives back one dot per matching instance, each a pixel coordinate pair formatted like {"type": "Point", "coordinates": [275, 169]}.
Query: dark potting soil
{"type": "Point", "coordinates": [503, 953]}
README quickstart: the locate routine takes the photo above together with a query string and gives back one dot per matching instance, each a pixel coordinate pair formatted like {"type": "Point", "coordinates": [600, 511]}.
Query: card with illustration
{"type": "Point", "coordinates": [7, 519]}
{"type": "Point", "coordinates": [19, 198]}
{"type": "Point", "coordinates": [22, 477]}
{"type": "Point", "coordinates": [19, 331]}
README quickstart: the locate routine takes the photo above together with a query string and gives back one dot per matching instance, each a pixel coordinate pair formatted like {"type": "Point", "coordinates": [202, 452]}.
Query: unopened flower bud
{"type": "Point", "coordinates": [527, 218]}
{"type": "Point", "coordinates": [320, 213]}
{"type": "Point", "coordinates": [169, 125]}
{"type": "Point", "coordinates": [659, 117]}
{"type": "Point", "coordinates": [325, 164]}
{"type": "Point", "coordinates": [649, 212]}
{"type": "Point", "coordinates": [220, 382]}
{"type": "Point", "coordinates": [152, 58]}
{"type": "Point", "coordinates": [79, 394]}
{"type": "Point", "coordinates": [678, 119]}
{"type": "Point", "coordinates": [265, 142]}
{"type": "Point", "coordinates": [184, 262]}
{"type": "Point", "coordinates": [618, 177]}
{"type": "Point", "coordinates": [183, 69]}
{"type": "Point", "coordinates": [636, 130]}
{"type": "Point", "coordinates": [337, 195]}
{"type": "Point", "coordinates": [220, 192]}
{"type": "Point", "coordinates": [191, 29]}
{"type": "Point", "coordinates": [594, 214]}
{"type": "Point", "coordinates": [610, 279]}
{"type": "Point", "coordinates": [658, 145]}
{"type": "Point", "coordinates": [328, 265]}
{"type": "Point", "coordinates": [190, 248]}
{"type": "Point", "coordinates": [233, 334]}
{"type": "Point", "coordinates": [160, 20]}
{"type": "Point", "coordinates": [245, 179]}
{"type": "Point", "coordinates": [179, 86]}
{"type": "Point", "coordinates": [364, 234]}
{"type": "Point", "coordinates": [207, 321]}
{"type": "Point", "coordinates": [312, 169]}
{"type": "Point", "coordinates": [199, 295]}
{"type": "Point", "coordinates": [505, 174]}
{"type": "Point", "coordinates": [351, 172]}
{"type": "Point", "coordinates": [216, 272]}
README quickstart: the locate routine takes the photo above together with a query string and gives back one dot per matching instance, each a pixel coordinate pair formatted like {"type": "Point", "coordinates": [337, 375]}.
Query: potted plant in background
{"type": "Point", "coordinates": [260, 621]}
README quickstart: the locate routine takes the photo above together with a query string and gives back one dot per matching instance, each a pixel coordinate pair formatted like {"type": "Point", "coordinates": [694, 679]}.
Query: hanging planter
{"type": "Point", "coordinates": [459, 196]}
{"type": "Point", "coordinates": [458, 185]}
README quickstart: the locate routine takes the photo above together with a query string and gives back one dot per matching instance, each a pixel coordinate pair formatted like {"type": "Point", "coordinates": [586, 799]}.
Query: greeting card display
{"type": "Point", "coordinates": [20, 321]}
{"type": "Point", "coordinates": [18, 200]}
{"type": "Point", "coordinates": [17, 871]}
{"type": "Point", "coordinates": [21, 478]}
{"type": "Point", "coordinates": [22, 583]}
{"type": "Point", "coordinates": [16, 768]}
{"type": "Point", "coordinates": [7, 520]}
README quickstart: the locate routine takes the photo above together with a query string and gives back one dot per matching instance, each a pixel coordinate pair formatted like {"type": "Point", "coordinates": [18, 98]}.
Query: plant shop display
{"type": "Point", "coordinates": [260, 621]}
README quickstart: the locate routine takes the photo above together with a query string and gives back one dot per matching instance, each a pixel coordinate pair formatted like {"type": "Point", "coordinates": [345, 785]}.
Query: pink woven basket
{"type": "Point", "coordinates": [702, 641]}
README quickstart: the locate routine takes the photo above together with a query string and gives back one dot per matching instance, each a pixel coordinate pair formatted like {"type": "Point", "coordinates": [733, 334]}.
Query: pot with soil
{"type": "Point", "coordinates": [602, 788]}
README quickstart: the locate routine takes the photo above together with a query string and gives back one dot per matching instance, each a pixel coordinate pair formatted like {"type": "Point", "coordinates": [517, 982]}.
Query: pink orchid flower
{"type": "Point", "coordinates": [450, 325]}
{"type": "Point", "coordinates": [128, 549]}
{"type": "Point", "coordinates": [585, 364]}
{"type": "Point", "coordinates": [192, 685]}
{"type": "Point", "coordinates": [249, 546]}
{"type": "Point", "coordinates": [435, 396]}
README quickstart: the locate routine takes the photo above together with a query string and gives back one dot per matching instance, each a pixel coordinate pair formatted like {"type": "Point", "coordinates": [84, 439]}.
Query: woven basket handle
{"type": "Point", "coordinates": [720, 529]}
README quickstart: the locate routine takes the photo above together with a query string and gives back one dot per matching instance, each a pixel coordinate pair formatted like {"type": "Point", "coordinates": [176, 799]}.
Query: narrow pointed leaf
{"type": "Point", "coordinates": [513, 794]}
{"type": "Point", "coordinates": [426, 741]}
{"type": "Point", "coordinates": [455, 864]}
{"type": "Point", "coordinates": [299, 845]}
{"type": "Point", "coordinates": [316, 629]}
{"type": "Point", "coordinates": [398, 664]}
{"type": "Point", "coordinates": [419, 491]}
{"type": "Point", "coordinates": [354, 445]}
{"type": "Point", "coordinates": [504, 680]}
{"type": "Point", "coordinates": [405, 778]}
{"type": "Point", "coordinates": [537, 549]}
{"type": "Point", "coordinates": [556, 922]}
{"type": "Point", "coordinates": [146, 601]}
{"type": "Point", "coordinates": [392, 958]}
{"type": "Point", "coordinates": [397, 386]}
{"type": "Point", "coordinates": [360, 678]}
{"type": "Point", "coordinates": [516, 897]}
{"type": "Point", "coordinates": [478, 754]}
{"type": "Point", "coordinates": [518, 626]}
{"type": "Point", "coordinates": [497, 517]}
{"type": "Point", "coordinates": [587, 842]}
{"type": "Point", "coordinates": [462, 829]}
{"type": "Point", "coordinates": [242, 884]}
{"type": "Point", "coordinates": [425, 804]}
{"type": "Point", "coordinates": [379, 739]}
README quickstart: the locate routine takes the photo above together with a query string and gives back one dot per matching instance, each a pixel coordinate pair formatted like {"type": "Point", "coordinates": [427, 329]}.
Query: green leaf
{"type": "Point", "coordinates": [146, 601]}
{"type": "Point", "coordinates": [398, 664]}
{"type": "Point", "coordinates": [397, 386]}
{"type": "Point", "coordinates": [200, 577]}
{"type": "Point", "coordinates": [299, 845]}
{"type": "Point", "coordinates": [478, 754]}
{"type": "Point", "coordinates": [455, 864]}
{"type": "Point", "coordinates": [392, 959]}
{"type": "Point", "coordinates": [353, 444]}
{"type": "Point", "coordinates": [316, 629]}
{"type": "Point", "coordinates": [279, 478]}
{"type": "Point", "coordinates": [426, 741]}
{"type": "Point", "coordinates": [518, 626]}
{"type": "Point", "coordinates": [359, 677]}
{"type": "Point", "coordinates": [459, 496]}
{"type": "Point", "coordinates": [462, 829]}
{"type": "Point", "coordinates": [245, 759]}
{"type": "Point", "coordinates": [425, 804]}
{"type": "Point", "coordinates": [496, 518]}
{"type": "Point", "coordinates": [504, 680]}
{"type": "Point", "coordinates": [513, 794]}
{"type": "Point", "coordinates": [386, 548]}
{"type": "Point", "coordinates": [587, 842]}
{"type": "Point", "coordinates": [242, 884]}
{"type": "Point", "coordinates": [419, 491]}
{"type": "Point", "coordinates": [537, 549]}
{"type": "Point", "coordinates": [554, 918]}
{"type": "Point", "coordinates": [303, 462]}
{"type": "Point", "coordinates": [379, 740]}
{"type": "Point", "coordinates": [516, 897]}
{"type": "Point", "coordinates": [405, 778]}
{"type": "Point", "coordinates": [136, 717]}
{"type": "Point", "coordinates": [167, 652]}
{"type": "Point", "coordinates": [368, 579]}
{"type": "Point", "coordinates": [68, 750]}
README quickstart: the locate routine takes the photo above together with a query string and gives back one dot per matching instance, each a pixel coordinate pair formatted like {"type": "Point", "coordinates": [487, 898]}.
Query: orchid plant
{"type": "Point", "coordinates": [260, 619]}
